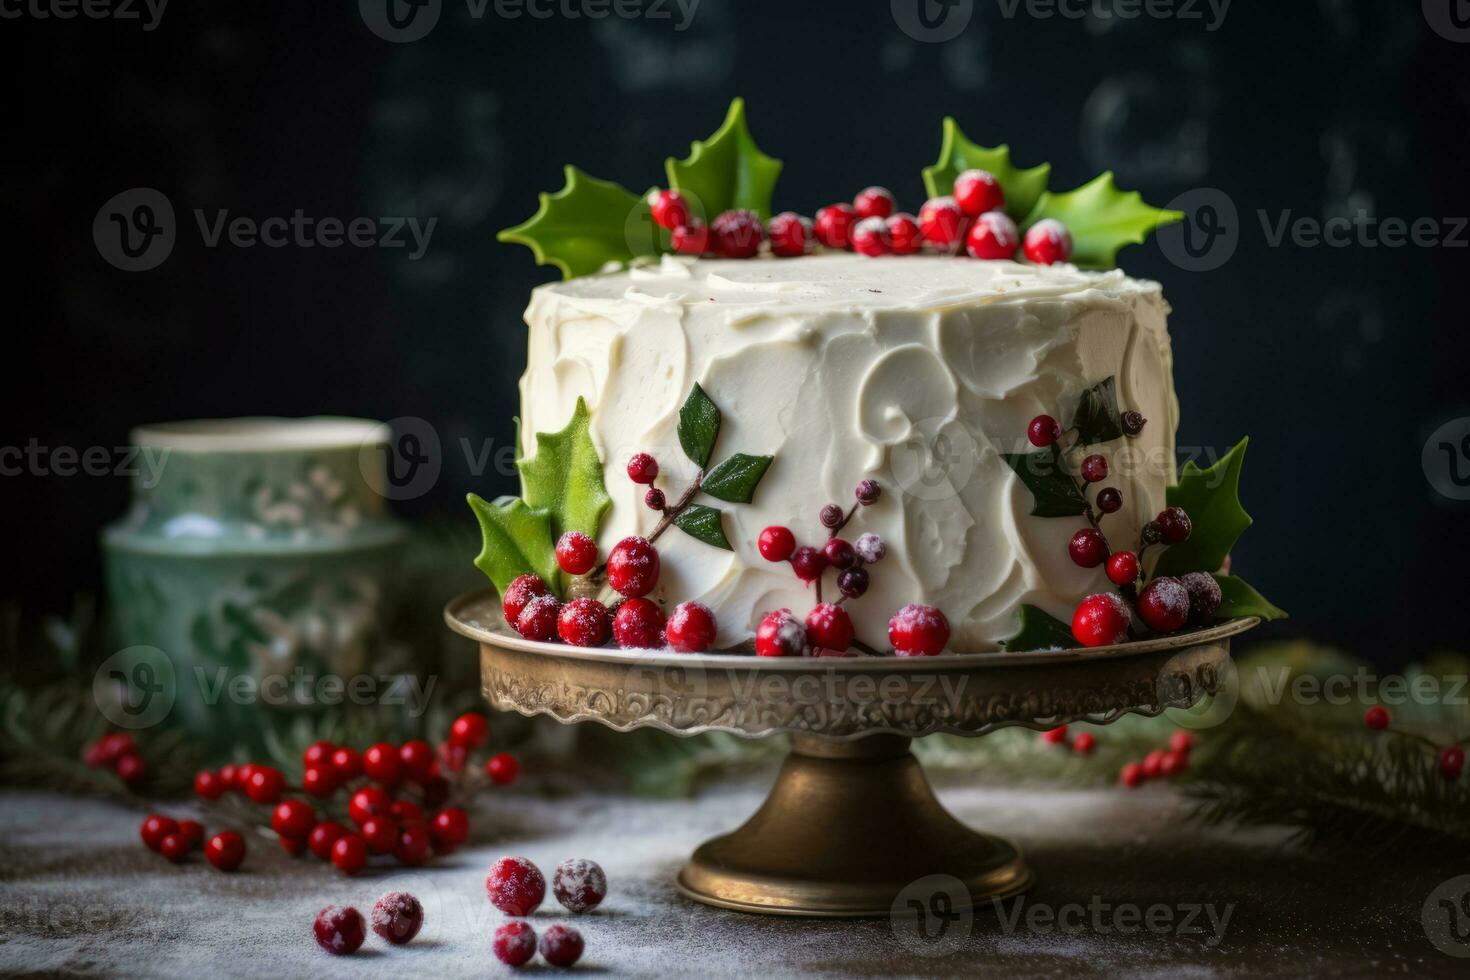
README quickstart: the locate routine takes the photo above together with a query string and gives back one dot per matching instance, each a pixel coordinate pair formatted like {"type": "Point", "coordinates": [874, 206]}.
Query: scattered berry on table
{"type": "Point", "coordinates": [521, 591]}
{"type": "Point", "coordinates": [1101, 620]}
{"type": "Point", "coordinates": [833, 225]}
{"type": "Point", "coordinates": [502, 768]}
{"type": "Point", "coordinates": [992, 236]}
{"type": "Point", "coordinates": [225, 850]}
{"type": "Point", "coordinates": [828, 627]}
{"type": "Point", "coordinates": [1095, 468]}
{"type": "Point", "coordinates": [780, 634]}
{"type": "Point", "coordinates": [576, 553]}
{"type": "Point", "coordinates": [642, 468]}
{"type": "Point", "coordinates": [155, 828]}
{"type": "Point", "coordinates": [978, 191]}
{"type": "Point", "coordinates": [654, 499]}
{"type": "Point", "coordinates": [870, 548]}
{"type": "Point", "coordinates": [633, 567]}
{"type": "Point", "coordinates": [808, 563]}
{"type": "Point", "coordinates": [1204, 596]}
{"type": "Point", "coordinates": [839, 553]}
{"type": "Point", "coordinates": [538, 619]}
{"type": "Point", "coordinates": [1122, 567]}
{"type": "Point", "coordinates": [1088, 547]}
{"type": "Point", "coordinates": [1109, 500]}
{"type": "Point", "coordinates": [736, 234]}
{"type": "Point", "coordinates": [788, 233]}
{"type": "Point", "coordinates": [470, 730]}
{"type": "Point", "coordinates": [1133, 423]}
{"type": "Point", "coordinates": [339, 929]}
{"type": "Point", "coordinates": [874, 202]}
{"type": "Point", "coordinates": [918, 631]}
{"type": "Point", "coordinates": [1043, 431]}
{"type": "Point", "coordinates": [904, 235]}
{"type": "Point", "coordinates": [1164, 604]}
{"type": "Point", "coordinates": [830, 515]}
{"type": "Point", "coordinates": [638, 625]}
{"type": "Point", "coordinates": [1174, 524]}
{"type": "Point", "coordinates": [690, 239]}
{"type": "Point", "coordinates": [398, 917]}
{"type": "Point", "coordinates": [776, 543]}
{"type": "Point", "coordinates": [583, 622]}
{"type": "Point", "coordinates": [669, 208]}
{"type": "Point", "coordinates": [293, 818]}
{"type": "Point", "coordinates": [1047, 242]}
{"type": "Point", "coordinates": [514, 943]}
{"type": "Point", "coordinates": [853, 582]}
{"type": "Point", "coordinates": [870, 237]}
{"type": "Point", "coordinates": [515, 886]}
{"type": "Point", "coordinates": [1377, 718]}
{"type": "Point", "coordinates": [579, 885]}
{"type": "Point", "coordinates": [561, 945]}
{"type": "Point", "coordinates": [691, 628]}
{"type": "Point", "coordinates": [867, 492]}
{"type": "Point", "coordinates": [349, 854]}
{"type": "Point", "coordinates": [323, 836]}
{"type": "Point", "coordinates": [381, 762]}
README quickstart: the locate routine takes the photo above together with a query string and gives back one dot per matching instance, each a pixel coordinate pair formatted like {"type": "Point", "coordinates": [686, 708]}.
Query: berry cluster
{"type": "Point", "coordinates": [397, 918]}
{"type": "Point", "coordinates": [1449, 759]}
{"type": "Point", "coordinates": [1160, 763]}
{"type": "Point", "coordinates": [119, 753]}
{"type": "Point", "coordinates": [517, 887]}
{"type": "Point", "coordinates": [972, 219]}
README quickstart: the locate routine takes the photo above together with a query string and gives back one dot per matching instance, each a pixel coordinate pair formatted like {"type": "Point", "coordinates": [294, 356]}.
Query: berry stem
{"type": "Point", "coordinates": [866, 650]}
{"type": "Point", "coordinates": [672, 512]}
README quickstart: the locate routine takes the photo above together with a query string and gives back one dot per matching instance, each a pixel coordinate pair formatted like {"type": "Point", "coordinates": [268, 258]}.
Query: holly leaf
{"type": "Point", "coordinates": [1101, 219]}
{"type": "Point", "coordinates": [564, 478]}
{"type": "Point", "coordinates": [699, 426]}
{"type": "Point", "coordinates": [1040, 631]}
{"type": "Point", "coordinates": [584, 226]}
{"type": "Point", "coordinates": [1239, 599]}
{"type": "Point", "coordinates": [704, 524]}
{"type": "Point", "coordinates": [735, 479]}
{"type": "Point", "coordinates": [957, 154]}
{"type": "Point", "coordinates": [516, 539]}
{"type": "Point", "coordinates": [1211, 498]}
{"type": "Point", "coordinates": [1097, 418]}
{"type": "Point", "coordinates": [1053, 490]}
{"type": "Point", "coordinates": [726, 171]}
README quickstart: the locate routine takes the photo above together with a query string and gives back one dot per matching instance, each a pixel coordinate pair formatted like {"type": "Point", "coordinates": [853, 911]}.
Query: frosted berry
{"type": "Point", "coordinates": [870, 237]}
{"type": "Point", "coordinates": [293, 818]}
{"type": "Point", "coordinates": [808, 563]}
{"type": "Point", "coordinates": [867, 492]}
{"type": "Point", "coordinates": [638, 625]}
{"type": "Point", "coordinates": [830, 516]}
{"type": "Point", "coordinates": [1109, 500]}
{"type": "Point", "coordinates": [382, 763]}
{"type": "Point", "coordinates": [904, 236]}
{"type": "Point", "coordinates": [1122, 567]}
{"type": "Point", "coordinates": [870, 548]}
{"type": "Point", "coordinates": [1174, 524]}
{"type": "Point", "coordinates": [514, 943]}
{"type": "Point", "coordinates": [654, 499]}
{"type": "Point", "coordinates": [788, 233]}
{"type": "Point", "coordinates": [398, 917]}
{"type": "Point", "coordinates": [839, 553]}
{"type": "Point", "coordinates": [1164, 604]}
{"type": "Point", "coordinates": [1451, 762]}
{"type": "Point", "coordinates": [736, 234]}
{"type": "Point", "coordinates": [131, 768]}
{"type": "Point", "coordinates": [833, 225]}
{"type": "Point", "coordinates": [578, 884]}
{"type": "Point", "coordinates": [780, 634]}
{"type": "Point", "coordinates": [1204, 596]}
{"type": "Point", "coordinates": [155, 828]}
{"type": "Point", "coordinates": [413, 845]}
{"type": "Point", "coordinates": [583, 623]}
{"type": "Point", "coordinates": [1084, 743]}
{"type": "Point", "coordinates": [174, 847]}
{"type": "Point", "coordinates": [642, 468]}
{"type": "Point", "coordinates": [874, 202]}
{"type": "Point", "coordinates": [942, 223]}
{"type": "Point", "coordinates": [669, 208]}
{"type": "Point", "coordinates": [1055, 736]}
{"type": "Point", "coordinates": [828, 627]}
{"type": "Point", "coordinates": [576, 553]}
{"type": "Point", "coordinates": [690, 239]}
{"type": "Point", "coordinates": [469, 730]}
{"type": "Point", "coordinates": [1043, 431]}
{"type": "Point", "coordinates": [1048, 242]}
{"type": "Point", "coordinates": [502, 768]}
{"type": "Point", "coordinates": [265, 784]}
{"type": "Point", "coordinates": [853, 582]}
{"type": "Point", "coordinates": [1131, 775]}
{"type": "Point", "coordinates": [1376, 718]}
{"type": "Point", "coordinates": [208, 786]}
{"type": "Point", "coordinates": [977, 191]}
{"type": "Point", "coordinates": [776, 543]}
{"type": "Point", "coordinates": [1088, 547]}
{"type": "Point", "coordinates": [515, 886]}
{"type": "Point", "coordinates": [339, 929]}
{"type": "Point", "coordinates": [225, 850]}
{"type": "Point", "coordinates": [1133, 423]}
{"type": "Point", "coordinates": [633, 567]}
{"type": "Point", "coordinates": [561, 945]}
{"type": "Point", "coordinates": [1094, 468]}
{"type": "Point", "coordinates": [918, 631]}
{"type": "Point", "coordinates": [349, 854]}
{"type": "Point", "coordinates": [521, 591]}
{"type": "Point", "coordinates": [1100, 620]}
{"type": "Point", "coordinates": [538, 620]}
{"type": "Point", "coordinates": [323, 836]}
{"type": "Point", "coordinates": [992, 236]}
{"type": "Point", "coordinates": [691, 628]}
{"type": "Point", "coordinates": [370, 801]}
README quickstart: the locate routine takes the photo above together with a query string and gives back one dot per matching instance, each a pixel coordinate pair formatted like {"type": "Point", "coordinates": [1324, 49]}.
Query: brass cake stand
{"type": "Point", "coordinates": [851, 820]}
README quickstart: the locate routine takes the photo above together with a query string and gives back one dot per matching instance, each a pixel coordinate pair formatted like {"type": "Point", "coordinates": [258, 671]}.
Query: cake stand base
{"type": "Point", "coordinates": [848, 826]}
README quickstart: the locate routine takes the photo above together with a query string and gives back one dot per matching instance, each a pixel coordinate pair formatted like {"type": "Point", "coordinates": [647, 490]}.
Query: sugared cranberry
{"type": "Point", "coordinates": [874, 202]}
{"type": "Point", "coordinates": [654, 499]}
{"type": "Point", "coordinates": [319, 781]}
{"type": "Point", "coordinates": [583, 623]}
{"type": "Point", "coordinates": [417, 757]}
{"type": "Point", "coordinates": [1376, 718]}
{"type": "Point", "coordinates": [776, 543]}
{"type": "Point", "coordinates": [736, 234]}
{"type": "Point", "coordinates": [867, 492]}
{"type": "Point", "coordinates": [1043, 431]}
{"type": "Point", "coordinates": [578, 884]}
{"type": "Point", "coordinates": [904, 236]}
{"type": "Point", "coordinates": [174, 847]}
{"type": "Point", "coordinates": [1084, 743]}
{"type": "Point", "coordinates": [1048, 242]}
{"type": "Point", "coordinates": [1133, 423]}
{"type": "Point", "coordinates": [538, 619]}
{"type": "Point", "coordinates": [225, 850]}
{"type": "Point", "coordinates": [978, 191]}
{"type": "Point", "coordinates": [323, 836]}
{"type": "Point", "coordinates": [1451, 762]}
{"type": "Point", "coordinates": [1101, 620]}
{"type": "Point", "coordinates": [839, 553]}
{"type": "Point", "coordinates": [870, 237]}
{"type": "Point", "coordinates": [853, 582]}
{"type": "Point", "coordinates": [450, 827]}
{"type": "Point", "coordinates": [515, 886]}
{"type": "Point", "coordinates": [1122, 567]}
{"type": "Point", "coordinates": [1204, 596]}
{"type": "Point", "coordinates": [561, 945]}
{"type": "Point", "coordinates": [638, 625]}
{"type": "Point", "coordinates": [370, 801]}
{"type": "Point", "coordinates": [642, 468]}
{"type": "Point", "coordinates": [265, 785]}
{"type": "Point", "coordinates": [339, 929]}
{"type": "Point", "coordinates": [992, 236]}
{"type": "Point", "coordinates": [208, 786]}
{"type": "Point", "coordinates": [690, 239]}
{"type": "Point", "coordinates": [918, 631]}
{"type": "Point", "coordinates": [1055, 736]}
{"type": "Point", "coordinates": [502, 768]}
{"type": "Point", "coordinates": [1175, 524]}
{"type": "Point", "coordinates": [633, 567]}
{"type": "Point", "coordinates": [521, 591]}
{"type": "Point", "coordinates": [1109, 500]}
{"type": "Point", "coordinates": [669, 208]}
{"type": "Point", "coordinates": [131, 768]}
{"type": "Point", "coordinates": [808, 563]}
{"type": "Point", "coordinates": [318, 753]}
{"type": "Point", "coordinates": [514, 943]}
{"type": "Point", "coordinates": [381, 762]}
{"type": "Point", "coordinates": [870, 548]}
{"type": "Point", "coordinates": [1131, 775]}
{"type": "Point", "coordinates": [379, 834]}
{"type": "Point", "coordinates": [780, 634]}
{"type": "Point", "coordinates": [1095, 468]}
{"type": "Point", "coordinates": [691, 628]}
{"type": "Point", "coordinates": [347, 763]}
{"type": "Point", "coordinates": [413, 844]}
{"type": "Point", "coordinates": [349, 854]}
{"type": "Point", "coordinates": [470, 730]}
{"type": "Point", "coordinates": [833, 226]}
{"type": "Point", "coordinates": [1088, 548]}
{"type": "Point", "coordinates": [1164, 604]}
{"type": "Point", "coordinates": [788, 233]}
{"type": "Point", "coordinates": [293, 818]}
{"type": "Point", "coordinates": [398, 917]}
{"type": "Point", "coordinates": [576, 553]}
{"type": "Point", "coordinates": [830, 515]}
{"type": "Point", "coordinates": [942, 223]}
{"type": "Point", "coordinates": [829, 627]}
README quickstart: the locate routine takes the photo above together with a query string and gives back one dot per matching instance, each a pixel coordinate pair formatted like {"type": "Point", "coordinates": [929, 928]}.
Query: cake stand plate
{"type": "Point", "coordinates": [851, 821]}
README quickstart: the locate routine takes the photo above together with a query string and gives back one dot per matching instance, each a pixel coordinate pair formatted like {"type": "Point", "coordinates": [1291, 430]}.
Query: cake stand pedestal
{"type": "Point", "coordinates": [851, 821]}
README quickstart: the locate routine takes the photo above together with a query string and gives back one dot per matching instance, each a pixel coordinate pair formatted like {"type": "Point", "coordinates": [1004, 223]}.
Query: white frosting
{"type": "Point", "coordinates": [915, 371]}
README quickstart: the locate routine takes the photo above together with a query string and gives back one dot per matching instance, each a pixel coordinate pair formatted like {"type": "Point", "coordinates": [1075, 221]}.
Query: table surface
{"type": "Point", "coordinates": [81, 896]}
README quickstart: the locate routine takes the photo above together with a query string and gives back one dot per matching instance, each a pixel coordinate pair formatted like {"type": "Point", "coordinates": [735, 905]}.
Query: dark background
{"type": "Point", "coordinates": [1339, 362]}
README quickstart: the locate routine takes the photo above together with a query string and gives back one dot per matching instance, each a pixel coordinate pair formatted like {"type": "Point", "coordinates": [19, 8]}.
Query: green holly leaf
{"type": "Point", "coordinates": [705, 524]}
{"type": "Point", "coordinates": [699, 426]}
{"type": "Point", "coordinates": [585, 225]}
{"type": "Point", "coordinates": [957, 154]}
{"type": "Point", "coordinates": [726, 171]}
{"type": "Point", "coordinates": [1040, 631]}
{"type": "Point", "coordinates": [1211, 498]}
{"type": "Point", "coordinates": [1239, 599]}
{"type": "Point", "coordinates": [564, 478]}
{"type": "Point", "coordinates": [735, 479]}
{"type": "Point", "coordinates": [1053, 490]}
{"type": "Point", "coordinates": [1101, 219]}
{"type": "Point", "coordinates": [516, 539]}
{"type": "Point", "coordinates": [1097, 418]}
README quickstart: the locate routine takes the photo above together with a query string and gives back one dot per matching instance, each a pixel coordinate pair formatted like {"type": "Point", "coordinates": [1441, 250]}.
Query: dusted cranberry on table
{"type": "Point", "coordinates": [225, 850]}
{"type": "Point", "coordinates": [690, 239]}
{"type": "Point", "coordinates": [992, 236]}
{"type": "Point", "coordinates": [780, 634]}
{"type": "Point", "coordinates": [668, 207]}
{"type": "Point", "coordinates": [904, 235]}
{"type": "Point", "coordinates": [828, 627]}
{"type": "Point", "coordinates": [918, 631]}
{"type": "Point", "coordinates": [736, 234]}
{"type": "Point", "coordinates": [1047, 242]}
{"type": "Point", "coordinates": [398, 917]}
{"type": "Point", "coordinates": [521, 591]}
{"type": "Point", "coordinates": [1088, 547]}
{"type": "Point", "coordinates": [870, 237]}
{"type": "Point", "coordinates": [538, 619]}
{"type": "Point", "coordinates": [561, 945]}
{"type": "Point", "coordinates": [583, 623]}
{"type": "Point", "coordinates": [833, 225]}
{"type": "Point", "coordinates": [776, 543]}
{"type": "Point", "coordinates": [942, 223]}
{"type": "Point", "coordinates": [1164, 604]}
{"type": "Point", "coordinates": [978, 191]}
{"type": "Point", "coordinates": [576, 553]}
{"type": "Point", "coordinates": [514, 943]}
{"type": "Point", "coordinates": [691, 628]}
{"type": "Point", "coordinates": [515, 886]}
{"type": "Point", "coordinates": [339, 929]}
{"type": "Point", "coordinates": [1101, 620]}
{"type": "Point", "coordinates": [578, 884]}
{"type": "Point", "coordinates": [638, 625]}
{"type": "Point", "coordinates": [633, 567]}
{"type": "Point", "coordinates": [788, 233]}
{"type": "Point", "coordinates": [874, 202]}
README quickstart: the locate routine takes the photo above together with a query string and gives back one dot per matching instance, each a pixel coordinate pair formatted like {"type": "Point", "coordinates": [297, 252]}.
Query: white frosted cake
{"type": "Point", "coordinates": [916, 371]}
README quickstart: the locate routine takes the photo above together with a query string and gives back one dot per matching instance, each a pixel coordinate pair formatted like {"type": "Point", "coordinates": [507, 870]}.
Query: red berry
{"type": "Point", "coordinates": [319, 781]}
{"type": "Point", "coordinates": [1109, 500]}
{"type": "Point", "coordinates": [867, 492]}
{"type": "Point", "coordinates": [992, 236]}
{"type": "Point", "coordinates": [370, 801]}
{"type": "Point", "coordinates": [318, 753]}
{"type": "Point", "coordinates": [642, 468]}
{"type": "Point", "coordinates": [1132, 775]}
{"type": "Point", "coordinates": [347, 764]}
{"type": "Point", "coordinates": [576, 553]}
{"type": "Point", "coordinates": [293, 818]}
{"type": "Point", "coordinates": [1101, 620]}
{"type": "Point", "coordinates": [1181, 741]}
{"type": "Point", "coordinates": [514, 943]}
{"type": "Point", "coordinates": [904, 234]}
{"type": "Point", "coordinates": [1153, 765]}
{"type": "Point", "coordinates": [208, 785]}
{"type": "Point", "coordinates": [453, 757]}
{"type": "Point", "coordinates": [1055, 736]}
{"type": "Point", "coordinates": [229, 774]}
{"type": "Point", "coordinates": [1204, 596]}
{"type": "Point", "coordinates": [1164, 604]}
{"type": "Point", "coordinates": [874, 202]}
{"type": "Point", "coordinates": [339, 929]}
{"type": "Point", "coordinates": [776, 543]}
{"type": "Point", "coordinates": [417, 757]}
{"type": "Point", "coordinates": [131, 768]}
{"type": "Point", "coordinates": [632, 567]}
{"type": "Point", "coordinates": [578, 884]}
{"type": "Point", "coordinates": [1084, 744]}
{"type": "Point", "coordinates": [192, 831]}
{"type": "Point", "coordinates": [379, 834]}
{"type": "Point", "coordinates": [870, 548]}
{"type": "Point", "coordinates": [808, 563]}
{"type": "Point", "coordinates": [780, 634]}
{"type": "Point", "coordinates": [918, 631]}
{"type": "Point", "coordinates": [1451, 762]}
{"type": "Point", "coordinates": [294, 846]}
{"type": "Point", "coordinates": [450, 827]}
{"type": "Point", "coordinates": [654, 499]}
{"type": "Point", "coordinates": [736, 234]}
{"type": "Point", "coordinates": [977, 191]}
{"type": "Point", "coordinates": [502, 768]}
{"type": "Point", "coordinates": [1175, 524]}
{"type": "Point", "coordinates": [691, 628]}
{"type": "Point", "coordinates": [691, 239]}
{"type": "Point", "coordinates": [669, 208]}
{"type": "Point", "coordinates": [829, 627]}
{"type": "Point", "coordinates": [323, 836]}
{"type": "Point", "coordinates": [521, 591]}
{"type": "Point", "coordinates": [583, 623]}
{"type": "Point", "coordinates": [942, 223]}
{"type": "Point", "coordinates": [155, 828]}
{"type": "Point", "coordinates": [1122, 567]}
{"type": "Point", "coordinates": [349, 854]}
{"type": "Point", "coordinates": [225, 850]}
{"type": "Point", "coordinates": [638, 625]}
{"type": "Point", "coordinates": [174, 847]}
{"type": "Point", "coordinates": [1376, 718]}
{"type": "Point", "coordinates": [1094, 468]}
{"type": "Point", "coordinates": [110, 748]}
{"type": "Point", "coordinates": [1173, 763]}
{"type": "Point", "coordinates": [561, 945]}
{"type": "Point", "coordinates": [398, 917]}
{"type": "Point", "coordinates": [435, 790]}
{"type": "Point", "coordinates": [381, 762]}
{"type": "Point", "coordinates": [1048, 242]}
{"type": "Point", "coordinates": [538, 620]}
{"type": "Point", "coordinates": [1043, 431]}
{"type": "Point", "coordinates": [870, 237]}
{"type": "Point", "coordinates": [403, 812]}
{"type": "Point", "coordinates": [413, 845]}
{"type": "Point", "coordinates": [515, 886]}
{"type": "Point", "coordinates": [266, 785]}
{"type": "Point", "coordinates": [833, 226]}
{"type": "Point", "coordinates": [838, 553]}
{"type": "Point", "coordinates": [853, 582]}
{"type": "Point", "coordinates": [469, 730]}
{"type": "Point", "coordinates": [788, 233]}
{"type": "Point", "coordinates": [1088, 547]}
